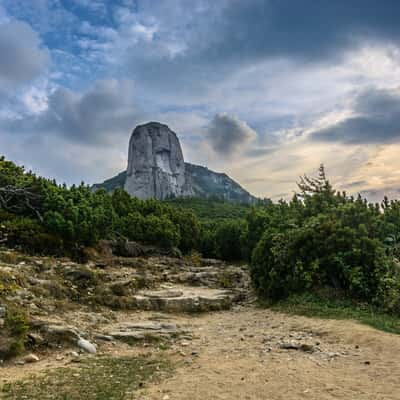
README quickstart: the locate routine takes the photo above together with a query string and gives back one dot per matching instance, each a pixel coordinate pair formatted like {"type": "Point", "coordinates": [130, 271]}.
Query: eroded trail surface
{"type": "Point", "coordinates": [200, 318]}
{"type": "Point", "coordinates": [244, 354]}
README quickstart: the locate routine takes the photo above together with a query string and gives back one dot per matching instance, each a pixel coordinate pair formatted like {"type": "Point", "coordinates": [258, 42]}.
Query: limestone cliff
{"type": "Point", "coordinates": [156, 169]}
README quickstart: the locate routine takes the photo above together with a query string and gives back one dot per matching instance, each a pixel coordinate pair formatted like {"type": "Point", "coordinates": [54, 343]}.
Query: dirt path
{"type": "Point", "coordinates": [241, 354]}
{"type": "Point", "coordinates": [238, 355]}
{"type": "Point", "coordinates": [245, 353]}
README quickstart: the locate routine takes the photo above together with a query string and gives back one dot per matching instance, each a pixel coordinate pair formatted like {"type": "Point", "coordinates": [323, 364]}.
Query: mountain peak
{"type": "Point", "coordinates": [156, 169]}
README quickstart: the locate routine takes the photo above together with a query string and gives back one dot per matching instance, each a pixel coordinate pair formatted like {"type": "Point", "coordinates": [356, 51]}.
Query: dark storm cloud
{"type": "Point", "coordinates": [97, 116]}
{"type": "Point", "coordinates": [236, 33]}
{"type": "Point", "coordinates": [376, 120]}
{"type": "Point", "coordinates": [21, 56]}
{"type": "Point", "coordinates": [228, 134]}
{"type": "Point", "coordinates": [306, 28]}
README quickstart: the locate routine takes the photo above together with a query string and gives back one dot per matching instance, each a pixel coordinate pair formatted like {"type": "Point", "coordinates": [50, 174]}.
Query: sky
{"type": "Point", "coordinates": [264, 90]}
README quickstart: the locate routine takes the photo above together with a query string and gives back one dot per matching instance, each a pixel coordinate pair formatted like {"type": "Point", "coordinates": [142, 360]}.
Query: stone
{"type": "Point", "coordinates": [35, 338]}
{"type": "Point", "coordinates": [60, 333]}
{"type": "Point", "coordinates": [105, 338]}
{"type": "Point", "coordinates": [87, 346]}
{"type": "Point", "coordinates": [31, 358]}
{"type": "Point", "coordinates": [2, 311]}
{"type": "Point", "coordinates": [151, 326]}
{"type": "Point", "coordinates": [156, 168]}
{"type": "Point", "coordinates": [308, 348]}
{"type": "Point", "coordinates": [289, 346]}
{"type": "Point", "coordinates": [145, 331]}
{"type": "Point", "coordinates": [185, 299]}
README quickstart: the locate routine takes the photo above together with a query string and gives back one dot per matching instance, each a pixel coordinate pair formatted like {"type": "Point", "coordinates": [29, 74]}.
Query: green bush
{"type": "Point", "coordinates": [325, 251]}
{"type": "Point", "coordinates": [13, 335]}
{"type": "Point", "coordinates": [228, 240]}
{"type": "Point", "coordinates": [323, 238]}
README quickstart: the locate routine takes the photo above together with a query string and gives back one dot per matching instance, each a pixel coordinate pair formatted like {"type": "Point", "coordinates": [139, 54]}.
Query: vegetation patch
{"type": "Point", "coordinates": [323, 238]}
{"type": "Point", "coordinates": [94, 379]}
{"type": "Point", "coordinates": [336, 307]}
{"type": "Point", "coordinates": [13, 334]}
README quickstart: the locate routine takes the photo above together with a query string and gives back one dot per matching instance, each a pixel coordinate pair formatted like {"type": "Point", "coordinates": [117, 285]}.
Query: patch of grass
{"type": "Point", "coordinates": [94, 379]}
{"type": "Point", "coordinates": [194, 258]}
{"type": "Point", "coordinates": [9, 257]}
{"type": "Point", "coordinates": [8, 284]}
{"type": "Point", "coordinates": [320, 306]}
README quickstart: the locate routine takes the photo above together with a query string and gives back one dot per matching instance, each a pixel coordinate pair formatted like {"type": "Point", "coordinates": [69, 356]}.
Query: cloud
{"type": "Point", "coordinates": [101, 115]}
{"type": "Point", "coordinates": [216, 39]}
{"type": "Point", "coordinates": [375, 119]}
{"type": "Point", "coordinates": [23, 57]}
{"type": "Point", "coordinates": [228, 134]}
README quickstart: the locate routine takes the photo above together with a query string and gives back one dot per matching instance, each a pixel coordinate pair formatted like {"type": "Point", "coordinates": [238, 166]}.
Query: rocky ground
{"type": "Point", "coordinates": [195, 320]}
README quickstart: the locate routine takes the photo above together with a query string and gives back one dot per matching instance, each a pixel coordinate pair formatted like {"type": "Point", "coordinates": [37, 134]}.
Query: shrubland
{"type": "Point", "coordinates": [326, 239]}
{"type": "Point", "coordinates": [320, 239]}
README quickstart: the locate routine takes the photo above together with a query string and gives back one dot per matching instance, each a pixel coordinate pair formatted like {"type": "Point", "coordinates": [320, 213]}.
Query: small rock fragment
{"type": "Point", "coordinates": [31, 358]}
{"type": "Point", "coordinates": [87, 346]}
{"type": "Point", "coordinates": [289, 346]}
{"type": "Point", "coordinates": [106, 338]}
{"type": "Point", "coordinates": [308, 348]}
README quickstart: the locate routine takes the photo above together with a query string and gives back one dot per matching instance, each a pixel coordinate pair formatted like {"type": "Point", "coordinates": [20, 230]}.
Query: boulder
{"type": "Point", "coordinates": [86, 346]}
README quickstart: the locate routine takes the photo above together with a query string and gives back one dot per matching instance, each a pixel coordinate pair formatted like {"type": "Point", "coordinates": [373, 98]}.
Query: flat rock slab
{"type": "Point", "coordinates": [185, 299]}
{"type": "Point", "coordinates": [145, 331]}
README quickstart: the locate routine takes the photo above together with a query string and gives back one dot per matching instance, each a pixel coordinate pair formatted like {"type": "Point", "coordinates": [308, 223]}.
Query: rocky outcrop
{"type": "Point", "coordinates": [156, 168]}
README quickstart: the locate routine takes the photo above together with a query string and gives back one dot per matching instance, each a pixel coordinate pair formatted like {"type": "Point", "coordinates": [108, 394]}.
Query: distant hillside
{"type": "Point", "coordinates": [207, 183]}
{"type": "Point", "coordinates": [111, 184]}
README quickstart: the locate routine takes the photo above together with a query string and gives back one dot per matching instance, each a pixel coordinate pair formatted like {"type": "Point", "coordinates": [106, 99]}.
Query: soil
{"type": "Point", "coordinates": [238, 354]}
{"type": "Point", "coordinates": [238, 359]}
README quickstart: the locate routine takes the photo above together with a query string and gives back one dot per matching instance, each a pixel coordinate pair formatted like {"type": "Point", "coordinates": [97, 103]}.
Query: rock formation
{"type": "Point", "coordinates": [156, 168]}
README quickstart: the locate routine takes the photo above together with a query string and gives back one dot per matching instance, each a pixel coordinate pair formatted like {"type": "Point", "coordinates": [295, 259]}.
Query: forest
{"type": "Point", "coordinates": [320, 239]}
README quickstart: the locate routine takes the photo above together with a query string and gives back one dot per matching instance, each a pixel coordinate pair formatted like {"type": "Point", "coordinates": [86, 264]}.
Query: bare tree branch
{"type": "Point", "coordinates": [15, 199]}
